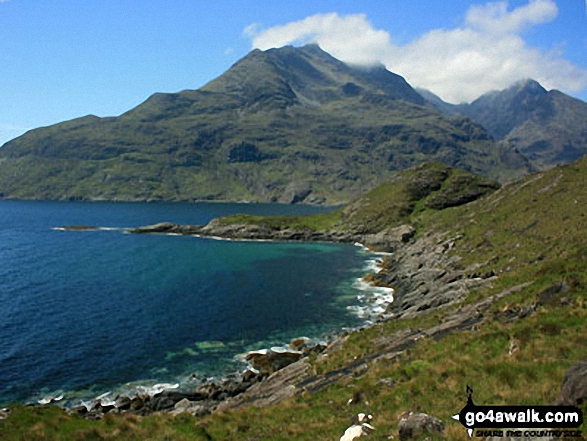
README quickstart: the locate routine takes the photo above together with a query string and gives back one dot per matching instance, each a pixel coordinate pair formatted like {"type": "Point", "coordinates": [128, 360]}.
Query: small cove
{"type": "Point", "coordinates": [87, 312]}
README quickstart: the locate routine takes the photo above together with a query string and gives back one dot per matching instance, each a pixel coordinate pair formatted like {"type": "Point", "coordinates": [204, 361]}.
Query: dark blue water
{"type": "Point", "coordinates": [86, 312]}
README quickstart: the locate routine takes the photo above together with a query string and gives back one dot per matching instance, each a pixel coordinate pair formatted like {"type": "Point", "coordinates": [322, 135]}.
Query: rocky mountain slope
{"type": "Point", "coordinates": [547, 127]}
{"type": "Point", "coordinates": [288, 125]}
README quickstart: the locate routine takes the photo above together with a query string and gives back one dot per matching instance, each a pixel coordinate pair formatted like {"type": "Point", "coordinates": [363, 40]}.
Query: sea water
{"type": "Point", "coordinates": [86, 312]}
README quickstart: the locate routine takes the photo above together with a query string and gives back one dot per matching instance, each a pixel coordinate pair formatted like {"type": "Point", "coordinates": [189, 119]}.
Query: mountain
{"type": "Point", "coordinates": [547, 127]}
{"type": "Point", "coordinates": [288, 125]}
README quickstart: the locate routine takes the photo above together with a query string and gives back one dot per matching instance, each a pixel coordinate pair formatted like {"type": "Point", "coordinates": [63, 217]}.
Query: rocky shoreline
{"type": "Point", "coordinates": [201, 400]}
{"type": "Point", "coordinates": [213, 394]}
{"type": "Point", "coordinates": [421, 272]}
{"type": "Point", "coordinates": [387, 240]}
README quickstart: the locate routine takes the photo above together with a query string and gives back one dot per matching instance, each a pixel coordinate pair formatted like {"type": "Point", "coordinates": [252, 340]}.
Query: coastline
{"type": "Point", "coordinates": [210, 392]}
{"type": "Point", "coordinates": [421, 270]}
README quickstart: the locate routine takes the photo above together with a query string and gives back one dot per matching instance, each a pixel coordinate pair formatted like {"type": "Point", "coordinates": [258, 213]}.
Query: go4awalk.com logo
{"type": "Point", "coordinates": [507, 420]}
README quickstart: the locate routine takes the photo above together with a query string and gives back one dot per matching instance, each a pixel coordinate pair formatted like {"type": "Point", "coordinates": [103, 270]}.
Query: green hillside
{"type": "Point", "coordinates": [287, 125]}
{"type": "Point", "coordinates": [402, 199]}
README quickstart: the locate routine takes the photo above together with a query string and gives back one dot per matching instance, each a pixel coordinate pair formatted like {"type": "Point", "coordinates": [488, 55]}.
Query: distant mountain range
{"type": "Point", "coordinates": [547, 127]}
{"type": "Point", "coordinates": [290, 125]}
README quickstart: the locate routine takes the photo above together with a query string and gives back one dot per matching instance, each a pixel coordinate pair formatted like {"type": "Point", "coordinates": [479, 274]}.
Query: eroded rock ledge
{"type": "Point", "coordinates": [387, 240]}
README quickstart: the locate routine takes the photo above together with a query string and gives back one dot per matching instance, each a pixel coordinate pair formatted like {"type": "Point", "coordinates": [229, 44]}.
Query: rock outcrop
{"type": "Point", "coordinates": [424, 275]}
{"type": "Point", "coordinates": [574, 386]}
{"type": "Point", "coordinates": [388, 240]}
{"type": "Point", "coordinates": [268, 361]}
{"type": "Point", "coordinates": [414, 425]}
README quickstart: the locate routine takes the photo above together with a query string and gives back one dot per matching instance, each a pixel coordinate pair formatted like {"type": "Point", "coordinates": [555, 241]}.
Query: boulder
{"type": "Point", "coordinates": [414, 425]}
{"type": "Point", "coordinates": [186, 406]}
{"type": "Point", "coordinates": [271, 360]}
{"type": "Point", "coordinates": [574, 386]}
{"type": "Point", "coordinates": [251, 375]}
{"type": "Point", "coordinates": [183, 404]}
{"type": "Point", "coordinates": [168, 399]}
{"type": "Point", "coordinates": [80, 410]}
{"type": "Point", "coordinates": [123, 403]}
{"type": "Point", "coordinates": [139, 402]}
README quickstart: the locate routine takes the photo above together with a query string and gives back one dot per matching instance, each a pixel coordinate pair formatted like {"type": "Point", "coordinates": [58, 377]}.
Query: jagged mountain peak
{"type": "Point", "coordinates": [548, 127]}
{"type": "Point", "coordinates": [529, 85]}
{"type": "Point", "coordinates": [308, 74]}
{"type": "Point", "coordinates": [518, 91]}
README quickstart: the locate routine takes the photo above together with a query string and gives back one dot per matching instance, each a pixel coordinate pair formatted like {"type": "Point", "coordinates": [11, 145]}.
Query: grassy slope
{"type": "Point", "coordinates": [534, 230]}
{"type": "Point", "coordinates": [400, 200]}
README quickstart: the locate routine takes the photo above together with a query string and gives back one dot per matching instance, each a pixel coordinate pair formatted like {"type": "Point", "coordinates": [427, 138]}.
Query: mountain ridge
{"type": "Point", "coordinates": [547, 127]}
{"type": "Point", "coordinates": [283, 125]}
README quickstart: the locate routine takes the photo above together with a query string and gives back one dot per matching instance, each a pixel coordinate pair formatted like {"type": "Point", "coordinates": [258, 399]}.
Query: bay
{"type": "Point", "coordinates": [87, 312]}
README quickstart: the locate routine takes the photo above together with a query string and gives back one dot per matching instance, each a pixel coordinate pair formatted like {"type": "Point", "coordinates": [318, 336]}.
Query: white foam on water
{"type": "Point", "coordinates": [51, 398]}
{"type": "Point", "coordinates": [373, 300]}
{"type": "Point", "coordinates": [104, 395]}
{"type": "Point", "coordinates": [160, 387]}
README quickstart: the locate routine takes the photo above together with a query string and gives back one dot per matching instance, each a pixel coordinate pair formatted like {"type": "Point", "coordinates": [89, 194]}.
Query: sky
{"type": "Point", "coordinates": [64, 59]}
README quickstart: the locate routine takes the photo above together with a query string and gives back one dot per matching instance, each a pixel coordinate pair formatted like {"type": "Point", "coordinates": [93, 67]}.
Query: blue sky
{"type": "Point", "coordinates": [68, 58]}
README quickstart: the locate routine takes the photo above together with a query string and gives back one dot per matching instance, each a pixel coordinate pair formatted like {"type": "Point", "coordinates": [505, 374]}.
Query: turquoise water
{"type": "Point", "coordinates": [88, 312]}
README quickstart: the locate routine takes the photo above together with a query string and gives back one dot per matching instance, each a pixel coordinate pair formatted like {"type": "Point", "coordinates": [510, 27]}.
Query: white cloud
{"type": "Point", "coordinates": [495, 17]}
{"type": "Point", "coordinates": [352, 38]}
{"type": "Point", "coordinates": [486, 53]}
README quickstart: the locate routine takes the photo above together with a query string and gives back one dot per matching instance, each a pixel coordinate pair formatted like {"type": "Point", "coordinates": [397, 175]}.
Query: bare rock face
{"type": "Point", "coordinates": [574, 386]}
{"type": "Point", "coordinates": [415, 425]}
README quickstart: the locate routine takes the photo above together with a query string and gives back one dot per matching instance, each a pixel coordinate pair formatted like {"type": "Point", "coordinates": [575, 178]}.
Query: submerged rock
{"type": "Point", "coordinates": [77, 228]}
{"type": "Point", "coordinates": [167, 228]}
